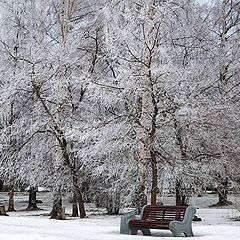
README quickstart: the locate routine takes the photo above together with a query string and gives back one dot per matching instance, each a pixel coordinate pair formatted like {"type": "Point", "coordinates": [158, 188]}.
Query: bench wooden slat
{"type": "Point", "coordinates": [149, 224]}
{"type": "Point", "coordinates": [158, 212]}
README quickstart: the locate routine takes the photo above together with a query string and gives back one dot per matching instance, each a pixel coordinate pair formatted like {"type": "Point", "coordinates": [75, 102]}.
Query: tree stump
{"type": "Point", "coordinates": [3, 211]}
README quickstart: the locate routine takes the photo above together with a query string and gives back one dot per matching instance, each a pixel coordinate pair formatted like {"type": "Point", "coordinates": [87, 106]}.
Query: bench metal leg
{"type": "Point", "coordinates": [146, 232]}
{"type": "Point", "coordinates": [188, 232]}
{"type": "Point", "coordinates": [133, 231]}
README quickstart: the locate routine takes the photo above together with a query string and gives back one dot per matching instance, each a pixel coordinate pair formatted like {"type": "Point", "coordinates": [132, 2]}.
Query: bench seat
{"type": "Point", "coordinates": [163, 224]}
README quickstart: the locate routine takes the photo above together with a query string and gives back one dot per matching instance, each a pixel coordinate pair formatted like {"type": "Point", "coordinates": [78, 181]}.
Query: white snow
{"type": "Point", "coordinates": [216, 224]}
{"type": "Point", "coordinates": [40, 189]}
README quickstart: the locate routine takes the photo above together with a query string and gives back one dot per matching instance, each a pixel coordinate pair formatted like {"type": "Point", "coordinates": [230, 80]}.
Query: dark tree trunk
{"type": "Point", "coordinates": [152, 137]}
{"type": "Point", "coordinates": [1, 185]}
{"type": "Point", "coordinates": [11, 199]}
{"type": "Point", "coordinates": [178, 196]}
{"type": "Point", "coordinates": [32, 202]}
{"type": "Point", "coordinates": [222, 197]}
{"type": "Point", "coordinates": [181, 200]}
{"type": "Point", "coordinates": [74, 175]}
{"type": "Point", "coordinates": [223, 192]}
{"type": "Point", "coordinates": [78, 194]}
{"type": "Point", "coordinates": [3, 211]}
{"type": "Point", "coordinates": [57, 210]}
{"type": "Point", "coordinates": [154, 178]}
{"type": "Point", "coordinates": [74, 206]}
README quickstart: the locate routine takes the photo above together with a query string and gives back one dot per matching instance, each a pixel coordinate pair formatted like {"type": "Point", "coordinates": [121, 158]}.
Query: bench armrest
{"type": "Point", "coordinates": [185, 226]}
{"type": "Point", "coordinates": [189, 214]}
{"type": "Point", "coordinates": [124, 226]}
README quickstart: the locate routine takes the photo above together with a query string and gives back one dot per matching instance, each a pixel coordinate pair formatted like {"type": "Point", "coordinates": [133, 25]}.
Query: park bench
{"type": "Point", "coordinates": [177, 219]}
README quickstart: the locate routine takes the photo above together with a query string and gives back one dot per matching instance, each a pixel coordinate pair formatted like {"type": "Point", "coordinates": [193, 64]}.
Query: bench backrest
{"type": "Point", "coordinates": [163, 212]}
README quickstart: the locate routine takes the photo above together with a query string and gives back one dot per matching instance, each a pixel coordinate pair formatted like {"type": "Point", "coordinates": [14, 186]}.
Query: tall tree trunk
{"type": "Point", "coordinates": [74, 206]}
{"type": "Point", "coordinates": [57, 209]}
{"type": "Point", "coordinates": [63, 22]}
{"type": "Point", "coordinates": [222, 190]}
{"type": "Point", "coordinates": [152, 136]}
{"type": "Point", "coordinates": [32, 202]}
{"type": "Point", "coordinates": [222, 197]}
{"type": "Point", "coordinates": [3, 211]}
{"type": "Point", "coordinates": [178, 196]}
{"type": "Point", "coordinates": [11, 201]}
{"type": "Point", "coordinates": [223, 77]}
{"type": "Point", "coordinates": [142, 163]}
{"type": "Point", "coordinates": [154, 178]}
{"type": "Point", "coordinates": [1, 185]}
{"type": "Point", "coordinates": [142, 177]}
{"type": "Point", "coordinates": [11, 196]}
{"type": "Point", "coordinates": [181, 200]}
{"type": "Point", "coordinates": [70, 163]}
{"type": "Point", "coordinates": [78, 194]}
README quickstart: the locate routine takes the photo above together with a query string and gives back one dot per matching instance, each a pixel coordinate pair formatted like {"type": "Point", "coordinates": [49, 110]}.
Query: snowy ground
{"type": "Point", "coordinates": [217, 224]}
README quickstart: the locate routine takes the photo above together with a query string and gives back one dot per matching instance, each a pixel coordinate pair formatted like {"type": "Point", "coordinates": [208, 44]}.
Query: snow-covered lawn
{"type": "Point", "coordinates": [217, 224]}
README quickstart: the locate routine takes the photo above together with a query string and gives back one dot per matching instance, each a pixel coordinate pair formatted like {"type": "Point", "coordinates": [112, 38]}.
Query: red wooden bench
{"type": "Point", "coordinates": [178, 219]}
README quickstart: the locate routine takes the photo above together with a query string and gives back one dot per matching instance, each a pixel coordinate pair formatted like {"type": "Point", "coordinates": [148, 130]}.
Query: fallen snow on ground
{"type": "Point", "coordinates": [216, 224]}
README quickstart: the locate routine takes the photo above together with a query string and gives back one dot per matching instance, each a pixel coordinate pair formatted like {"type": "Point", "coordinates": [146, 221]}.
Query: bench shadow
{"type": "Point", "coordinates": [162, 234]}
{"type": "Point", "coordinates": [166, 234]}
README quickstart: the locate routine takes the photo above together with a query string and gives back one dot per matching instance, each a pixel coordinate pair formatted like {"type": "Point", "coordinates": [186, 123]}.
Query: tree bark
{"type": "Point", "coordinates": [32, 202]}
{"type": "Point", "coordinates": [11, 197]}
{"type": "Point", "coordinates": [78, 194]}
{"type": "Point", "coordinates": [181, 200]}
{"type": "Point", "coordinates": [152, 136]}
{"type": "Point", "coordinates": [3, 211]}
{"type": "Point", "coordinates": [57, 210]}
{"type": "Point", "coordinates": [63, 22]}
{"type": "Point", "coordinates": [222, 197]}
{"type": "Point", "coordinates": [74, 206]}
{"type": "Point", "coordinates": [142, 165]}
{"type": "Point", "coordinates": [222, 190]}
{"type": "Point", "coordinates": [154, 178]}
{"type": "Point", "coordinates": [223, 51]}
